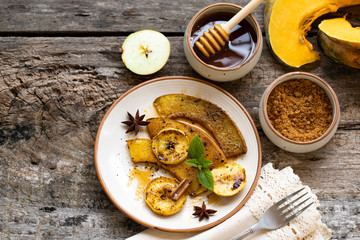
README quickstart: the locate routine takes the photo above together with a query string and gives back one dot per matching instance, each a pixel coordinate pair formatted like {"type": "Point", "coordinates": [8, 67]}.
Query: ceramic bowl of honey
{"type": "Point", "coordinates": [239, 55]}
{"type": "Point", "coordinates": [299, 112]}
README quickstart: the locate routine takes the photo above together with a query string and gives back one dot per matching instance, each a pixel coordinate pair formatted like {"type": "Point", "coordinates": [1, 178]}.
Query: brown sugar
{"type": "Point", "coordinates": [299, 110]}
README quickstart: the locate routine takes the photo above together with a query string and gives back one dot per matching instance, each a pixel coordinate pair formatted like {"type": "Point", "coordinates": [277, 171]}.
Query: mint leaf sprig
{"type": "Point", "coordinates": [196, 155]}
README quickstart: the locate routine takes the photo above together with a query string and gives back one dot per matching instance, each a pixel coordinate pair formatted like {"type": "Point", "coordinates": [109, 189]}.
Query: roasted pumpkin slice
{"type": "Point", "coordinates": [208, 115]}
{"type": "Point", "coordinates": [141, 151]}
{"type": "Point", "coordinates": [229, 179]}
{"type": "Point", "coordinates": [170, 146]}
{"type": "Point", "coordinates": [157, 196]}
{"type": "Point", "coordinates": [340, 41]}
{"type": "Point", "coordinates": [288, 22]}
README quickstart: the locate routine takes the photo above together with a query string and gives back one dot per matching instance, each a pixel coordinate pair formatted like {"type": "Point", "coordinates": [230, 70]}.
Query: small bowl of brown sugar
{"type": "Point", "coordinates": [299, 112]}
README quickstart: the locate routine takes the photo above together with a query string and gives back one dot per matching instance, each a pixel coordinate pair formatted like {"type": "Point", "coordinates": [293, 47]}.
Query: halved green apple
{"type": "Point", "coordinates": [145, 52]}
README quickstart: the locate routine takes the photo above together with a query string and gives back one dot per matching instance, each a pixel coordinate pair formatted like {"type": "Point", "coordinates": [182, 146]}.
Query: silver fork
{"type": "Point", "coordinates": [278, 214]}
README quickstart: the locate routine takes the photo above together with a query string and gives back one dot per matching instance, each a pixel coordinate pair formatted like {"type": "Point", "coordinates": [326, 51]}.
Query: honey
{"type": "Point", "coordinates": [213, 198]}
{"type": "Point", "coordinates": [238, 49]}
{"type": "Point", "coordinates": [143, 177]}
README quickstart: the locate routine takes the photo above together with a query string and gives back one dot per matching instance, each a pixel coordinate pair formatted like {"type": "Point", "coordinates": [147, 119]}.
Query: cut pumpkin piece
{"type": "Point", "coordinates": [287, 23]}
{"type": "Point", "coordinates": [141, 150]}
{"type": "Point", "coordinates": [208, 115]}
{"type": "Point", "coordinates": [340, 41]}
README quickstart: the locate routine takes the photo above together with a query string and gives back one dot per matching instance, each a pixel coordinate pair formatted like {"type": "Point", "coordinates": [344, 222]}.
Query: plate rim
{"type": "Point", "coordinates": [195, 229]}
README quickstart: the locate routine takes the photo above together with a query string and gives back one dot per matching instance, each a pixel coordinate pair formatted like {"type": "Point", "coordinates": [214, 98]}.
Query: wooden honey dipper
{"type": "Point", "coordinates": [214, 40]}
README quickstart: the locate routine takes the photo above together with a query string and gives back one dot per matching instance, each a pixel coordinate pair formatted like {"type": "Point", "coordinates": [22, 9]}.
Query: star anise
{"type": "Point", "coordinates": [203, 212]}
{"type": "Point", "coordinates": [135, 122]}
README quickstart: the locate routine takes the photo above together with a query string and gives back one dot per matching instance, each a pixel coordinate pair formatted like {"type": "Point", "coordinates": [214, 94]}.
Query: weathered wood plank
{"type": "Point", "coordinates": [45, 66]}
{"type": "Point", "coordinates": [53, 94]}
{"type": "Point", "coordinates": [44, 17]}
{"type": "Point", "coordinates": [101, 17]}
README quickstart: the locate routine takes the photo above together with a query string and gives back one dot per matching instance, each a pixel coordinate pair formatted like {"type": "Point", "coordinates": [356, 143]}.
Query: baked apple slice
{"type": "Point", "coordinates": [229, 179]}
{"type": "Point", "coordinates": [157, 196]}
{"type": "Point", "coordinates": [170, 146]}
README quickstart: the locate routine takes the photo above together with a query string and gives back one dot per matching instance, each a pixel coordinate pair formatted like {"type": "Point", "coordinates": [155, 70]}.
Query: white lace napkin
{"type": "Point", "coordinates": [273, 185]}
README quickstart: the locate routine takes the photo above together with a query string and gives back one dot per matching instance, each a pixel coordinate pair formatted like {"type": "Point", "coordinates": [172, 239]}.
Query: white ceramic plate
{"type": "Point", "coordinates": [113, 163]}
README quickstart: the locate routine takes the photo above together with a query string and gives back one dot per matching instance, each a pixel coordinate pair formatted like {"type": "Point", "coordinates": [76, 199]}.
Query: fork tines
{"type": "Point", "coordinates": [289, 208]}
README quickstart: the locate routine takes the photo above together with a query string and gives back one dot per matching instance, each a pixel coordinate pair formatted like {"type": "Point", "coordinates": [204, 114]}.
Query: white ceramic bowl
{"type": "Point", "coordinates": [215, 73]}
{"type": "Point", "coordinates": [288, 144]}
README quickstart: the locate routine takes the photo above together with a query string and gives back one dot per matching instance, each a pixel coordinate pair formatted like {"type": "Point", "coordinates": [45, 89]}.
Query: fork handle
{"type": "Point", "coordinates": [247, 232]}
{"type": "Point", "coordinates": [244, 234]}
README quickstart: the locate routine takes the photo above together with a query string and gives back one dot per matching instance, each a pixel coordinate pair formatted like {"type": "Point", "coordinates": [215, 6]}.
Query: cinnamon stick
{"type": "Point", "coordinates": [180, 189]}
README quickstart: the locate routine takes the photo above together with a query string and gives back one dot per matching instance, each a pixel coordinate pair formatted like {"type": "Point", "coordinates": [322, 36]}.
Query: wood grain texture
{"type": "Point", "coordinates": [101, 16]}
{"type": "Point", "coordinates": [109, 17]}
{"type": "Point", "coordinates": [54, 92]}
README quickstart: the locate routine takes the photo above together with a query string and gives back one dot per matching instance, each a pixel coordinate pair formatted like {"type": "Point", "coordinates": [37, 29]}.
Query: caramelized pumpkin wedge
{"type": "Point", "coordinates": [208, 115]}
{"type": "Point", "coordinates": [229, 179]}
{"type": "Point", "coordinates": [157, 196]}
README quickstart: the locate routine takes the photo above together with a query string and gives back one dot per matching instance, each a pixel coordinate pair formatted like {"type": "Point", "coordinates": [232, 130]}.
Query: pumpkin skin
{"type": "Point", "coordinates": [340, 41]}
{"type": "Point", "coordinates": [287, 23]}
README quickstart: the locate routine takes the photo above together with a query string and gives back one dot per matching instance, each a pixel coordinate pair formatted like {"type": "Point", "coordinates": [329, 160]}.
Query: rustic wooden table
{"type": "Point", "coordinates": [61, 69]}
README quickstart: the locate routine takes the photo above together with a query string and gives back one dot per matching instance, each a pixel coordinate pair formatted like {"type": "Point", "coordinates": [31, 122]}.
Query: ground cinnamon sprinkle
{"type": "Point", "coordinates": [300, 110]}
